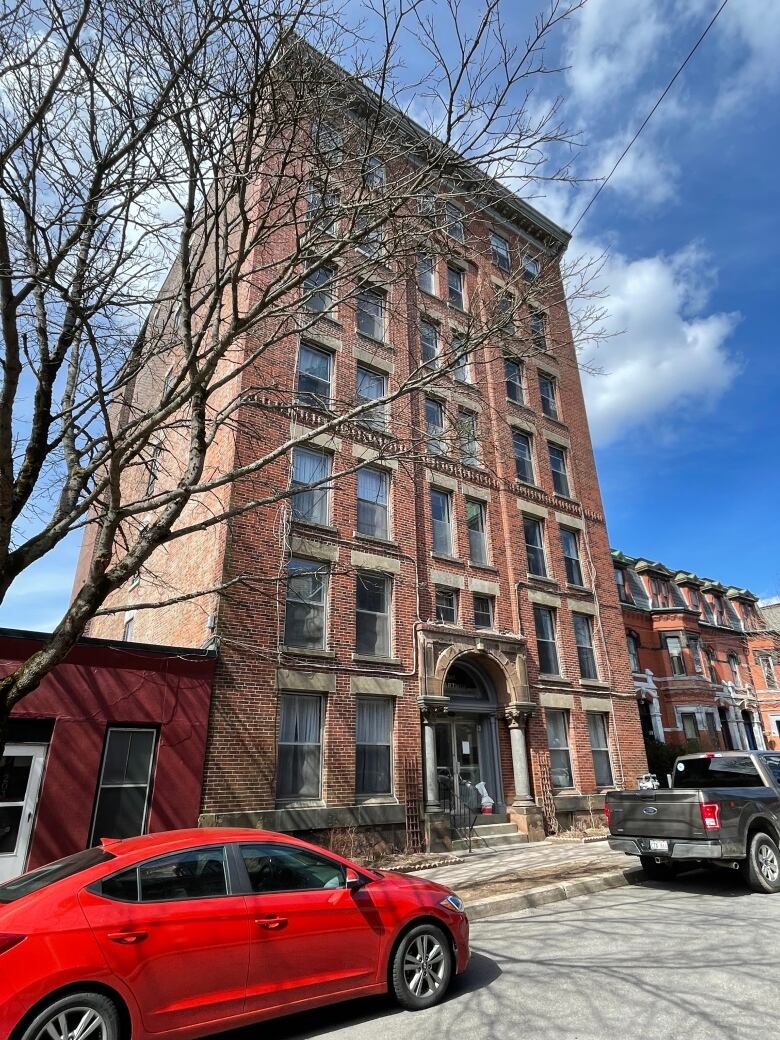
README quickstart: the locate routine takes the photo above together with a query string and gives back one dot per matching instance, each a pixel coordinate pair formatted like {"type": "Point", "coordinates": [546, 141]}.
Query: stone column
{"type": "Point", "coordinates": [429, 711]}
{"type": "Point", "coordinates": [516, 716]}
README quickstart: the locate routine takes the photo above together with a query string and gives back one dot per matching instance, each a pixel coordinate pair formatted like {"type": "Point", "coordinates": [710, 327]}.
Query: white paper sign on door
{"type": "Point", "coordinates": [466, 747]}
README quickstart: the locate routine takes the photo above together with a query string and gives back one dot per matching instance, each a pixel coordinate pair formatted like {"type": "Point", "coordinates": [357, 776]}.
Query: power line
{"type": "Point", "coordinates": [650, 114]}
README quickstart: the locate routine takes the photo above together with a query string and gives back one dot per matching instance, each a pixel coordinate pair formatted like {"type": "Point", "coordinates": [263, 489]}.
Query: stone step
{"type": "Point", "coordinates": [488, 819]}
{"type": "Point", "coordinates": [489, 829]}
{"type": "Point", "coordinates": [500, 841]}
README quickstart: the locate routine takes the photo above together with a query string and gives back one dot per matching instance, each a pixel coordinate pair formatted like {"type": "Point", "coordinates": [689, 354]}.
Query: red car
{"type": "Point", "coordinates": [185, 933]}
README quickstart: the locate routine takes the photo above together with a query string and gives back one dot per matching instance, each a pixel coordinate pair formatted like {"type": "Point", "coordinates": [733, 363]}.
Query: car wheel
{"type": "Point", "coordinates": [658, 871]}
{"type": "Point", "coordinates": [422, 967]}
{"type": "Point", "coordinates": [88, 1015]}
{"type": "Point", "coordinates": [761, 869]}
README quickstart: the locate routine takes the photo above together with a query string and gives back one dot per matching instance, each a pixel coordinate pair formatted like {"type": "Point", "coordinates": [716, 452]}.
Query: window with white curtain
{"type": "Point", "coordinates": [299, 762]}
{"type": "Point", "coordinates": [598, 730]}
{"type": "Point", "coordinates": [373, 746]}
{"type": "Point", "coordinates": [304, 619]}
{"type": "Point", "coordinates": [441, 520]}
{"type": "Point", "coordinates": [310, 467]}
{"type": "Point", "coordinates": [372, 495]}
{"type": "Point", "coordinates": [558, 743]}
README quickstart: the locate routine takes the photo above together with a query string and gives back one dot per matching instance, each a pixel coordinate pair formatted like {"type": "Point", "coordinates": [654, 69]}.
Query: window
{"type": "Point", "coordinates": [570, 546]}
{"type": "Point", "coordinates": [534, 546]}
{"type": "Point", "coordinates": [547, 389]}
{"type": "Point", "coordinates": [768, 668]}
{"type": "Point", "coordinates": [441, 518]}
{"type": "Point", "coordinates": [467, 437]}
{"type": "Point", "coordinates": [372, 242]}
{"type": "Point", "coordinates": [373, 746]}
{"type": "Point", "coordinates": [734, 666]}
{"type": "Point", "coordinates": [695, 648]}
{"type": "Point", "coordinates": [371, 313]}
{"type": "Point", "coordinates": [693, 597]}
{"type": "Point", "coordinates": [310, 467]}
{"type": "Point", "coordinates": [461, 369]}
{"type": "Point", "coordinates": [539, 330]}
{"type": "Point", "coordinates": [583, 637]}
{"type": "Point", "coordinates": [154, 469]}
{"type": "Point", "coordinates": [299, 755]}
{"type": "Point", "coordinates": [475, 522]}
{"type": "Point", "coordinates": [624, 593]}
{"type": "Point", "coordinates": [434, 426]}
{"type": "Point", "coordinates": [447, 606]}
{"type": "Point", "coordinates": [513, 374]}
{"type": "Point", "coordinates": [499, 248]}
{"type": "Point", "coordinates": [58, 870]}
{"type": "Point", "coordinates": [530, 268]}
{"type": "Point", "coordinates": [544, 622]}
{"type": "Point", "coordinates": [314, 376]}
{"type": "Point", "coordinates": [321, 209]}
{"type": "Point", "coordinates": [661, 593]}
{"type": "Point", "coordinates": [559, 473]}
{"type": "Point", "coordinates": [288, 868]}
{"type": "Point", "coordinates": [371, 386]}
{"type": "Point", "coordinates": [429, 344]}
{"type": "Point", "coordinates": [122, 802]}
{"type": "Point", "coordinates": [374, 175]}
{"type": "Point", "coordinates": [674, 649]}
{"type": "Point", "coordinates": [372, 615]}
{"type": "Point", "coordinates": [304, 618]}
{"type": "Point", "coordinates": [128, 629]}
{"type": "Point", "coordinates": [558, 743]}
{"type": "Point", "coordinates": [327, 141]}
{"type": "Point", "coordinates": [690, 729]}
{"type": "Point", "coordinates": [426, 206]}
{"type": "Point", "coordinates": [484, 612]}
{"type": "Point", "coordinates": [189, 874]}
{"type": "Point", "coordinates": [426, 273]}
{"type": "Point", "coordinates": [505, 310]}
{"type": "Point", "coordinates": [318, 289]}
{"type": "Point", "coordinates": [598, 731]}
{"type": "Point", "coordinates": [372, 495]}
{"type": "Point", "coordinates": [453, 216]}
{"type": "Point", "coordinates": [712, 730]}
{"type": "Point", "coordinates": [713, 671]}
{"type": "Point", "coordinates": [632, 642]}
{"type": "Point", "coordinates": [521, 446]}
{"type": "Point", "coordinates": [455, 287]}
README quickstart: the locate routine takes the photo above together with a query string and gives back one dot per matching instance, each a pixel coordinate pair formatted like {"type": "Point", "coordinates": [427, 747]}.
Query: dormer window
{"type": "Point", "coordinates": [661, 593]}
{"type": "Point", "coordinates": [693, 599]}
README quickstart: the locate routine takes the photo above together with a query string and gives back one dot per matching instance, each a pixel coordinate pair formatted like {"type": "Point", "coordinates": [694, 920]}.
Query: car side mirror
{"type": "Point", "coordinates": [353, 880]}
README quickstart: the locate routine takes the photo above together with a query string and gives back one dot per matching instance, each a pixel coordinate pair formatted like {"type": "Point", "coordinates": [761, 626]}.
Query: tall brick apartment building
{"type": "Point", "coordinates": [705, 660]}
{"type": "Point", "coordinates": [448, 614]}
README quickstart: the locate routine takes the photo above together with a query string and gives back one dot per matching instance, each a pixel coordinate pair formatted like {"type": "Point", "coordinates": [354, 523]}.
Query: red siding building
{"type": "Point", "coordinates": [112, 743]}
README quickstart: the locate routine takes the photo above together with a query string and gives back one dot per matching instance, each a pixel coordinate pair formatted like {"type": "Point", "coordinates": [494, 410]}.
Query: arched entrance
{"type": "Point", "coordinates": [467, 736]}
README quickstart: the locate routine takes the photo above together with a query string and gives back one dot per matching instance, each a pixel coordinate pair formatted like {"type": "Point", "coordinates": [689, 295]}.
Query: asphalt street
{"type": "Point", "coordinates": [697, 959]}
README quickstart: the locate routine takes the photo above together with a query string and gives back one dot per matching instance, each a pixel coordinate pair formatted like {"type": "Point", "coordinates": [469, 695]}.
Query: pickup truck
{"type": "Point", "coordinates": [723, 809]}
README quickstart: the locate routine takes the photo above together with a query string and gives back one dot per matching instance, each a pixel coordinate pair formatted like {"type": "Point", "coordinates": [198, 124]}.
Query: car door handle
{"type": "Point", "coordinates": [127, 938]}
{"type": "Point", "coordinates": [272, 923]}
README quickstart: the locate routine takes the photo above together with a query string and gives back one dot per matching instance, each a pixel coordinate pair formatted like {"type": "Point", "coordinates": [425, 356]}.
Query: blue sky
{"type": "Point", "coordinates": [685, 414]}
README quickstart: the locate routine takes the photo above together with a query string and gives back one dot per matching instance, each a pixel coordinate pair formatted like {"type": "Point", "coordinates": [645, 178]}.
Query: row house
{"type": "Point", "coordinates": [704, 660]}
{"type": "Point", "coordinates": [426, 620]}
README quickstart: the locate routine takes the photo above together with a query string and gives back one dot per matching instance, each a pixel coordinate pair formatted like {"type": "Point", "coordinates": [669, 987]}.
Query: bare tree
{"type": "Point", "coordinates": [185, 185]}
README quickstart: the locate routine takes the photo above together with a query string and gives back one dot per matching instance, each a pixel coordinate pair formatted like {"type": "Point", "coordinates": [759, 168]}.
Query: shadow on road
{"type": "Point", "coordinates": [482, 971]}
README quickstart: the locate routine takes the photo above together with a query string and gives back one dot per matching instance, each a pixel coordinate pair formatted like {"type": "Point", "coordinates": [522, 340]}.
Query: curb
{"type": "Point", "coordinates": [512, 902]}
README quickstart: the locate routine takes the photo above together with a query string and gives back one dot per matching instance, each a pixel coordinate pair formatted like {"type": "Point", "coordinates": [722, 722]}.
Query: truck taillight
{"type": "Point", "coordinates": [710, 815]}
{"type": "Point", "coordinates": [608, 814]}
{"type": "Point", "coordinates": [7, 941]}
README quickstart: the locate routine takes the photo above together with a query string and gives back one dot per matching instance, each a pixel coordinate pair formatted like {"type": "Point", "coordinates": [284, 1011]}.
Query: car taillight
{"type": "Point", "coordinates": [608, 814]}
{"type": "Point", "coordinates": [710, 815]}
{"type": "Point", "coordinates": [8, 941]}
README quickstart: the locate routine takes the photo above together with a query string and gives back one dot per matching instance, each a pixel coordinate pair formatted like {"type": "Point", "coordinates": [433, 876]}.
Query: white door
{"type": "Point", "coordinates": [21, 770]}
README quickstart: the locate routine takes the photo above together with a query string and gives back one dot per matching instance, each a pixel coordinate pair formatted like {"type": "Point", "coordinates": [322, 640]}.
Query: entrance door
{"type": "Point", "coordinates": [750, 736]}
{"type": "Point", "coordinates": [457, 750]}
{"type": "Point", "coordinates": [21, 769]}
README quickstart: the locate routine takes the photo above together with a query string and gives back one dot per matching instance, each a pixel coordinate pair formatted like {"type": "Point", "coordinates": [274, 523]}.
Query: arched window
{"type": "Point", "coordinates": [709, 654]}
{"type": "Point", "coordinates": [734, 666]}
{"type": "Point", "coordinates": [632, 642]}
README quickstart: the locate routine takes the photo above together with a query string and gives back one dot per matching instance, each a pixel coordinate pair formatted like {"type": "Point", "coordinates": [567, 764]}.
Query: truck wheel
{"type": "Point", "coordinates": [761, 869]}
{"type": "Point", "coordinates": [654, 871]}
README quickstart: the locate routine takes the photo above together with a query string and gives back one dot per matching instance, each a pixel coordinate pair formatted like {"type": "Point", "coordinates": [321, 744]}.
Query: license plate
{"type": "Point", "coordinates": [659, 845]}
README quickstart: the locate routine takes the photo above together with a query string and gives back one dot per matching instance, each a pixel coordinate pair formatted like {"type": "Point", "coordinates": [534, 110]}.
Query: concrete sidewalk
{"type": "Point", "coordinates": [497, 881]}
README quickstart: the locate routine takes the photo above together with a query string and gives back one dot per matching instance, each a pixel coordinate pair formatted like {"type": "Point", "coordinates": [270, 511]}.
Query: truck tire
{"type": "Point", "coordinates": [654, 871]}
{"type": "Point", "coordinates": [761, 868]}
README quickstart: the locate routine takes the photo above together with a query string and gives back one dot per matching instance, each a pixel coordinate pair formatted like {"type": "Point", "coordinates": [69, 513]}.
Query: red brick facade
{"type": "Point", "coordinates": [705, 662]}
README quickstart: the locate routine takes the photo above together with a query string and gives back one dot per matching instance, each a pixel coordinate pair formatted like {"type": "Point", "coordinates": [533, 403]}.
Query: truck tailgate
{"type": "Point", "coordinates": [656, 814]}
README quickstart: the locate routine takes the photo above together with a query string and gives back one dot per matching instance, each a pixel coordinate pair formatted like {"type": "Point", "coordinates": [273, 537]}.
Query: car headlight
{"type": "Point", "coordinates": [453, 902]}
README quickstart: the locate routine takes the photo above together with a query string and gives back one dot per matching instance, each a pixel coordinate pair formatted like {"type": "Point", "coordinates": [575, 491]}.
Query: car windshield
{"type": "Point", "coordinates": [47, 875]}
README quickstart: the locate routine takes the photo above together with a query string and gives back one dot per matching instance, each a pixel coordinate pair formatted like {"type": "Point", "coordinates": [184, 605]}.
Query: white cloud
{"type": "Point", "coordinates": [667, 354]}
{"type": "Point", "coordinates": [644, 176]}
{"type": "Point", "coordinates": [749, 30]}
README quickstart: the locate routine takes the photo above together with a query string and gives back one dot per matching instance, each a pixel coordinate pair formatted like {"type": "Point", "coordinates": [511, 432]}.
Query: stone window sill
{"type": "Point", "coordinates": [559, 680]}
{"type": "Point", "coordinates": [301, 651]}
{"type": "Point", "coordinates": [391, 662]}
{"type": "Point", "coordinates": [594, 684]}
{"type": "Point", "coordinates": [375, 540]}
{"type": "Point", "coordinates": [445, 558]}
{"type": "Point", "coordinates": [313, 527]}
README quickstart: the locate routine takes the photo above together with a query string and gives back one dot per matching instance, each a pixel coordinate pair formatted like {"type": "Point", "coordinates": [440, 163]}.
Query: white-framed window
{"type": "Point", "coordinates": [122, 802]}
{"type": "Point", "coordinates": [461, 369]}
{"type": "Point", "coordinates": [313, 384]}
{"type": "Point", "coordinates": [768, 669]}
{"type": "Point", "coordinates": [375, 173]}
{"type": "Point", "coordinates": [570, 547]}
{"type": "Point", "coordinates": [560, 473]}
{"type": "Point", "coordinates": [426, 206]}
{"type": "Point", "coordinates": [499, 250]}
{"type": "Point", "coordinates": [371, 386]}
{"type": "Point", "coordinates": [695, 648]}
{"type": "Point", "coordinates": [476, 522]}
{"type": "Point", "coordinates": [372, 615]}
{"type": "Point", "coordinates": [310, 467]}
{"type": "Point", "coordinates": [455, 294]}
{"type": "Point", "coordinates": [441, 520]}
{"type": "Point", "coordinates": [429, 344]}
{"type": "Point", "coordinates": [533, 529]}
{"type": "Point", "coordinates": [306, 602]}
{"type": "Point", "coordinates": [558, 743]}
{"type": "Point", "coordinates": [734, 666]}
{"type": "Point", "coordinates": [446, 606]}
{"type": "Point", "coordinates": [153, 472]}
{"type": "Point", "coordinates": [128, 628]}
{"type": "Point", "coordinates": [548, 393]}
{"type": "Point", "coordinates": [372, 242]}
{"type": "Point", "coordinates": [373, 492]}
{"type": "Point", "coordinates": [328, 142]}
{"type": "Point", "coordinates": [434, 426]}
{"type": "Point", "coordinates": [454, 222]}
{"type": "Point", "coordinates": [318, 290]}
{"type": "Point", "coordinates": [373, 746]}
{"type": "Point", "coordinates": [546, 641]}
{"type": "Point", "coordinates": [299, 754]}
{"type": "Point", "coordinates": [513, 376]}
{"type": "Point", "coordinates": [690, 726]}
{"type": "Point", "coordinates": [674, 649]}
{"type": "Point", "coordinates": [521, 447]}
{"type": "Point", "coordinates": [322, 209]}
{"type": "Point", "coordinates": [583, 637]}
{"type": "Point", "coordinates": [505, 312]}
{"type": "Point", "coordinates": [370, 308]}
{"type": "Point", "coordinates": [468, 442]}
{"type": "Point", "coordinates": [661, 593]}
{"type": "Point", "coordinates": [484, 612]}
{"type": "Point", "coordinates": [598, 731]}
{"type": "Point", "coordinates": [632, 642]}
{"type": "Point", "coordinates": [530, 268]}
{"type": "Point", "coordinates": [538, 322]}
{"type": "Point", "coordinates": [624, 592]}
{"type": "Point", "coordinates": [426, 273]}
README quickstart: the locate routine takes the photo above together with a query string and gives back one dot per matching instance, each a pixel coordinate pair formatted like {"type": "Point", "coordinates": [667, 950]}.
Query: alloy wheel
{"type": "Point", "coordinates": [767, 864]}
{"type": "Point", "coordinates": [424, 965]}
{"type": "Point", "coordinates": [76, 1023]}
